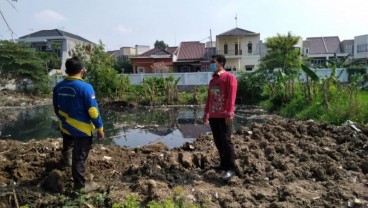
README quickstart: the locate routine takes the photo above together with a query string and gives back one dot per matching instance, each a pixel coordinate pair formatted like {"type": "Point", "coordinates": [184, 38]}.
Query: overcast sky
{"type": "Point", "coordinates": [119, 23]}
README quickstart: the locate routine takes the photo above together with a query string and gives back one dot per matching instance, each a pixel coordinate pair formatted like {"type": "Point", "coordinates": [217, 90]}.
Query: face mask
{"type": "Point", "coordinates": [213, 67]}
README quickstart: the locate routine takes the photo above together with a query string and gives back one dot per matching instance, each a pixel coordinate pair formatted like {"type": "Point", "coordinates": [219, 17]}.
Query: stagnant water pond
{"type": "Point", "coordinates": [131, 128]}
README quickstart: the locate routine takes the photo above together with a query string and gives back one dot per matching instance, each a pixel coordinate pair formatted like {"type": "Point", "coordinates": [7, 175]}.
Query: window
{"type": "Point", "coordinates": [318, 62]}
{"type": "Point", "coordinates": [250, 47]}
{"type": "Point", "coordinates": [249, 67]}
{"type": "Point", "coordinates": [225, 48]}
{"type": "Point", "coordinates": [141, 70]}
{"type": "Point", "coordinates": [306, 50]}
{"type": "Point", "coordinates": [236, 48]}
{"type": "Point", "coordinates": [362, 48]}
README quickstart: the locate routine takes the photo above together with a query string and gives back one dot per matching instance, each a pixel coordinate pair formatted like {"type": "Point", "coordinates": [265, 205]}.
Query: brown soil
{"type": "Point", "coordinates": [9, 98]}
{"type": "Point", "coordinates": [279, 164]}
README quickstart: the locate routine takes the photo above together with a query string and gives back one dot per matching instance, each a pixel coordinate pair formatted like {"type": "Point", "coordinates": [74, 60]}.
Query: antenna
{"type": "Point", "coordinates": [236, 20]}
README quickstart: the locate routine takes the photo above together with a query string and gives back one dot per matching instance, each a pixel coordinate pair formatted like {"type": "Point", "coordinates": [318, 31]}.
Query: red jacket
{"type": "Point", "coordinates": [221, 95]}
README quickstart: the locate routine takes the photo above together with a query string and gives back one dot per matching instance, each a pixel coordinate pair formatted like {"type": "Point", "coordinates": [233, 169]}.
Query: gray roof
{"type": "Point", "coordinates": [238, 32]}
{"type": "Point", "coordinates": [324, 45]}
{"type": "Point", "coordinates": [54, 32]}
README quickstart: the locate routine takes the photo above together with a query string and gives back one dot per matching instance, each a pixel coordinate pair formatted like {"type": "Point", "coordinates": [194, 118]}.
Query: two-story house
{"type": "Point", "coordinates": [242, 49]}
{"type": "Point", "coordinates": [55, 40]}
{"type": "Point", "coordinates": [321, 49]}
{"type": "Point", "coordinates": [361, 48]}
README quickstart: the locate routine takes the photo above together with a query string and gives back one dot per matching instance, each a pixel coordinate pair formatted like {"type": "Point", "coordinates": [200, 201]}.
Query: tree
{"type": "Point", "coordinates": [19, 62]}
{"type": "Point", "coordinates": [124, 67]}
{"type": "Point", "coordinates": [160, 67]}
{"type": "Point", "coordinates": [100, 72]}
{"type": "Point", "coordinates": [282, 64]}
{"type": "Point", "coordinates": [160, 44]}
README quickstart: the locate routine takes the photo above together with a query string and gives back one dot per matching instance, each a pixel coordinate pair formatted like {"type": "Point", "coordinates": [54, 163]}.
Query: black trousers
{"type": "Point", "coordinates": [80, 147]}
{"type": "Point", "coordinates": [222, 137]}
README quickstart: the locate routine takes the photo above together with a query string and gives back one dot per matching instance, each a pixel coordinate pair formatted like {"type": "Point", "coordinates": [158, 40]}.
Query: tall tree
{"type": "Point", "coordinates": [160, 44]}
{"type": "Point", "coordinates": [18, 62]}
{"type": "Point", "coordinates": [282, 53]}
{"type": "Point", "coordinates": [282, 64]}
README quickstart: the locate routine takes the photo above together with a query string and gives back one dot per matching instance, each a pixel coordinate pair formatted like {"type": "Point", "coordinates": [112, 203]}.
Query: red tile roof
{"type": "Point", "coordinates": [155, 52]}
{"type": "Point", "coordinates": [191, 50]}
{"type": "Point", "coordinates": [171, 49]}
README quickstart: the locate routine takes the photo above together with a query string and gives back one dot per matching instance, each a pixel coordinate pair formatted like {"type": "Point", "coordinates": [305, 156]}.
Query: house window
{"type": "Point", "coordinates": [249, 67]}
{"type": "Point", "coordinates": [141, 70]}
{"type": "Point", "coordinates": [362, 48]}
{"type": "Point", "coordinates": [236, 48]}
{"type": "Point", "coordinates": [306, 50]}
{"type": "Point", "coordinates": [185, 69]}
{"type": "Point", "coordinates": [250, 47]}
{"type": "Point", "coordinates": [225, 48]}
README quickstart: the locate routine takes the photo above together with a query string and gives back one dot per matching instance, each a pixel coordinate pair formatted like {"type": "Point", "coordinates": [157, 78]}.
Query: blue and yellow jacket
{"type": "Point", "coordinates": [76, 106]}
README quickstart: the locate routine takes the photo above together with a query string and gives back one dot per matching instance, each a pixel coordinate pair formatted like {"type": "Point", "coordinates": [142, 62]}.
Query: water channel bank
{"type": "Point", "coordinates": [280, 163]}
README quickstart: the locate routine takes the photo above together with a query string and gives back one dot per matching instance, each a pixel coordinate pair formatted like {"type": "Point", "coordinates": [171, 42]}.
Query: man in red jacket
{"type": "Point", "coordinates": [219, 112]}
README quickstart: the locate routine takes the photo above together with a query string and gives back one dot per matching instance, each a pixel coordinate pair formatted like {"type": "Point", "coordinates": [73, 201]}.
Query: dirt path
{"type": "Point", "coordinates": [279, 164]}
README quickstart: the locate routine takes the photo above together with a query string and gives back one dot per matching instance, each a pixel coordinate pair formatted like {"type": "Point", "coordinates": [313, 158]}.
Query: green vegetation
{"type": "Point", "coordinates": [22, 64]}
{"type": "Point", "coordinates": [177, 200]}
{"type": "Point", "coordinates": [279, 87]}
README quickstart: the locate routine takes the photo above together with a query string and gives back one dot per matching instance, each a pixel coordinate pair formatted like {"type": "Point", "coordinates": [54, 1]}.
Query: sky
{"type": "Point", "coordinates": [126, 23]}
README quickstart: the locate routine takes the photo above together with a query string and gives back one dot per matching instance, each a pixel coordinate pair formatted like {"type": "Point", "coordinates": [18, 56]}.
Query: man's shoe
{"type": "Point", "coordinates": [227, 175]}
{"type": "Point", "coordinates": [217, 167]}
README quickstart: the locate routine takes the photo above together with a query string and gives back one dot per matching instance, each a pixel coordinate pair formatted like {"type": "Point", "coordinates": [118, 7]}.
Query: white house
{"type": "Point", "coordinates": [242, 49]}
{"type": "Point", "coordinates": [44, 39]}
{"type": "Point", "coordinates": [361, 48]}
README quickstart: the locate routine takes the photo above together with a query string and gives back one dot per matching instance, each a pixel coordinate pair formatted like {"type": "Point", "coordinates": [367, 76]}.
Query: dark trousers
{"type": "Point", "coordinates": [80, 147]}
{"type": "Point", "coordinates": [222, 137]}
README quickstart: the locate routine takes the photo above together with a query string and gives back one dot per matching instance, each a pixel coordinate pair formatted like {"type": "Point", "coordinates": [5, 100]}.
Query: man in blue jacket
{"type": "Point", "coordinates": [76, 107]}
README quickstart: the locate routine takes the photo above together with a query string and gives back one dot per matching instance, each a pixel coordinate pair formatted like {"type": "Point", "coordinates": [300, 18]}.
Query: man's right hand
{"type": "Point", "coordinates": [205, 120]}
{"type": "Point", "coordinates": [101, 134]}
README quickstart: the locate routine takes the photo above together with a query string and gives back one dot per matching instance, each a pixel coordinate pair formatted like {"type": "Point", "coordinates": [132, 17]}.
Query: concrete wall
{"type": "Point", "coordinates": [203, 78]}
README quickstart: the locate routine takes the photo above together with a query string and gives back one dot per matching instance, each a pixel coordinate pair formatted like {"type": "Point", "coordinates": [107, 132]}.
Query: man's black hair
{"type": "Point", "coordinates": [220, 59]}
{"type": "Point", "coordinates": [73, 65]}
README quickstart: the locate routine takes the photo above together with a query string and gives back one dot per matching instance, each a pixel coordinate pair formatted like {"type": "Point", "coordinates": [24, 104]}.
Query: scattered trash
{"type": "Point", "coordinates": [351, 124]}
{"type": "Point", "coordinates": [106, 158]}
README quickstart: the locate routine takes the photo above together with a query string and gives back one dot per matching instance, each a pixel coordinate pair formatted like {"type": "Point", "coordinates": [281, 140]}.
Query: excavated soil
{"type": "Point", "coordinates": [281, 163]}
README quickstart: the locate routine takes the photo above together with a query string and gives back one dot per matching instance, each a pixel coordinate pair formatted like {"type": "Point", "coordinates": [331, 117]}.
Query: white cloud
{"type": "Point", "coordinates": [48, 15]}
{"type": "Point", "coordinates": [122, 30]}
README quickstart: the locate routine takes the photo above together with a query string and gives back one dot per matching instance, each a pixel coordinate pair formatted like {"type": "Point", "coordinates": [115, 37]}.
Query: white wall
{"type": "Point", "coordinates": [203, 78]}
{"type": "Point", "coordinates": [360, 40]}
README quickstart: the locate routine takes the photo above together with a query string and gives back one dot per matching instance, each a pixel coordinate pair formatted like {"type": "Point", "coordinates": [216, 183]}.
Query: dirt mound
{"type": "Point", "coordinates": [279, 164]}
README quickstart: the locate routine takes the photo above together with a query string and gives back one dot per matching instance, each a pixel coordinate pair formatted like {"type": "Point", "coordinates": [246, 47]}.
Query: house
{"type": "Point", "coordinates": [192, 56]}
{"type": "Point", "coordinates": [361, 48]}
{"type": "Point", "coordinates": [58, 41]}
{"type": "Point", "coordinates": [241, 48]}
{"type": "Point", "coordinates": [156, 60]}
{"type": "Point", "coordinates": [124, 53]}
{"type": "Point", "coordinates": [321, 49]}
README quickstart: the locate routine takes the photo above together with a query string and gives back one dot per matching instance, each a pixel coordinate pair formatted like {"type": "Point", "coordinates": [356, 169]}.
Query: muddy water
{"type": "Point", "coordinates": [130, 128]}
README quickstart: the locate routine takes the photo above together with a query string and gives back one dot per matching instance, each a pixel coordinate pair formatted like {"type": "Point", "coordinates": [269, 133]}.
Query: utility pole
{"type": "Point", "coordinates": [211, 38]}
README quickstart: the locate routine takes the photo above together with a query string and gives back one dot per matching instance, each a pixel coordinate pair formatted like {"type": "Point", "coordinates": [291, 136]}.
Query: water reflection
{"type": "Point", "coordinates": [130, 128]}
